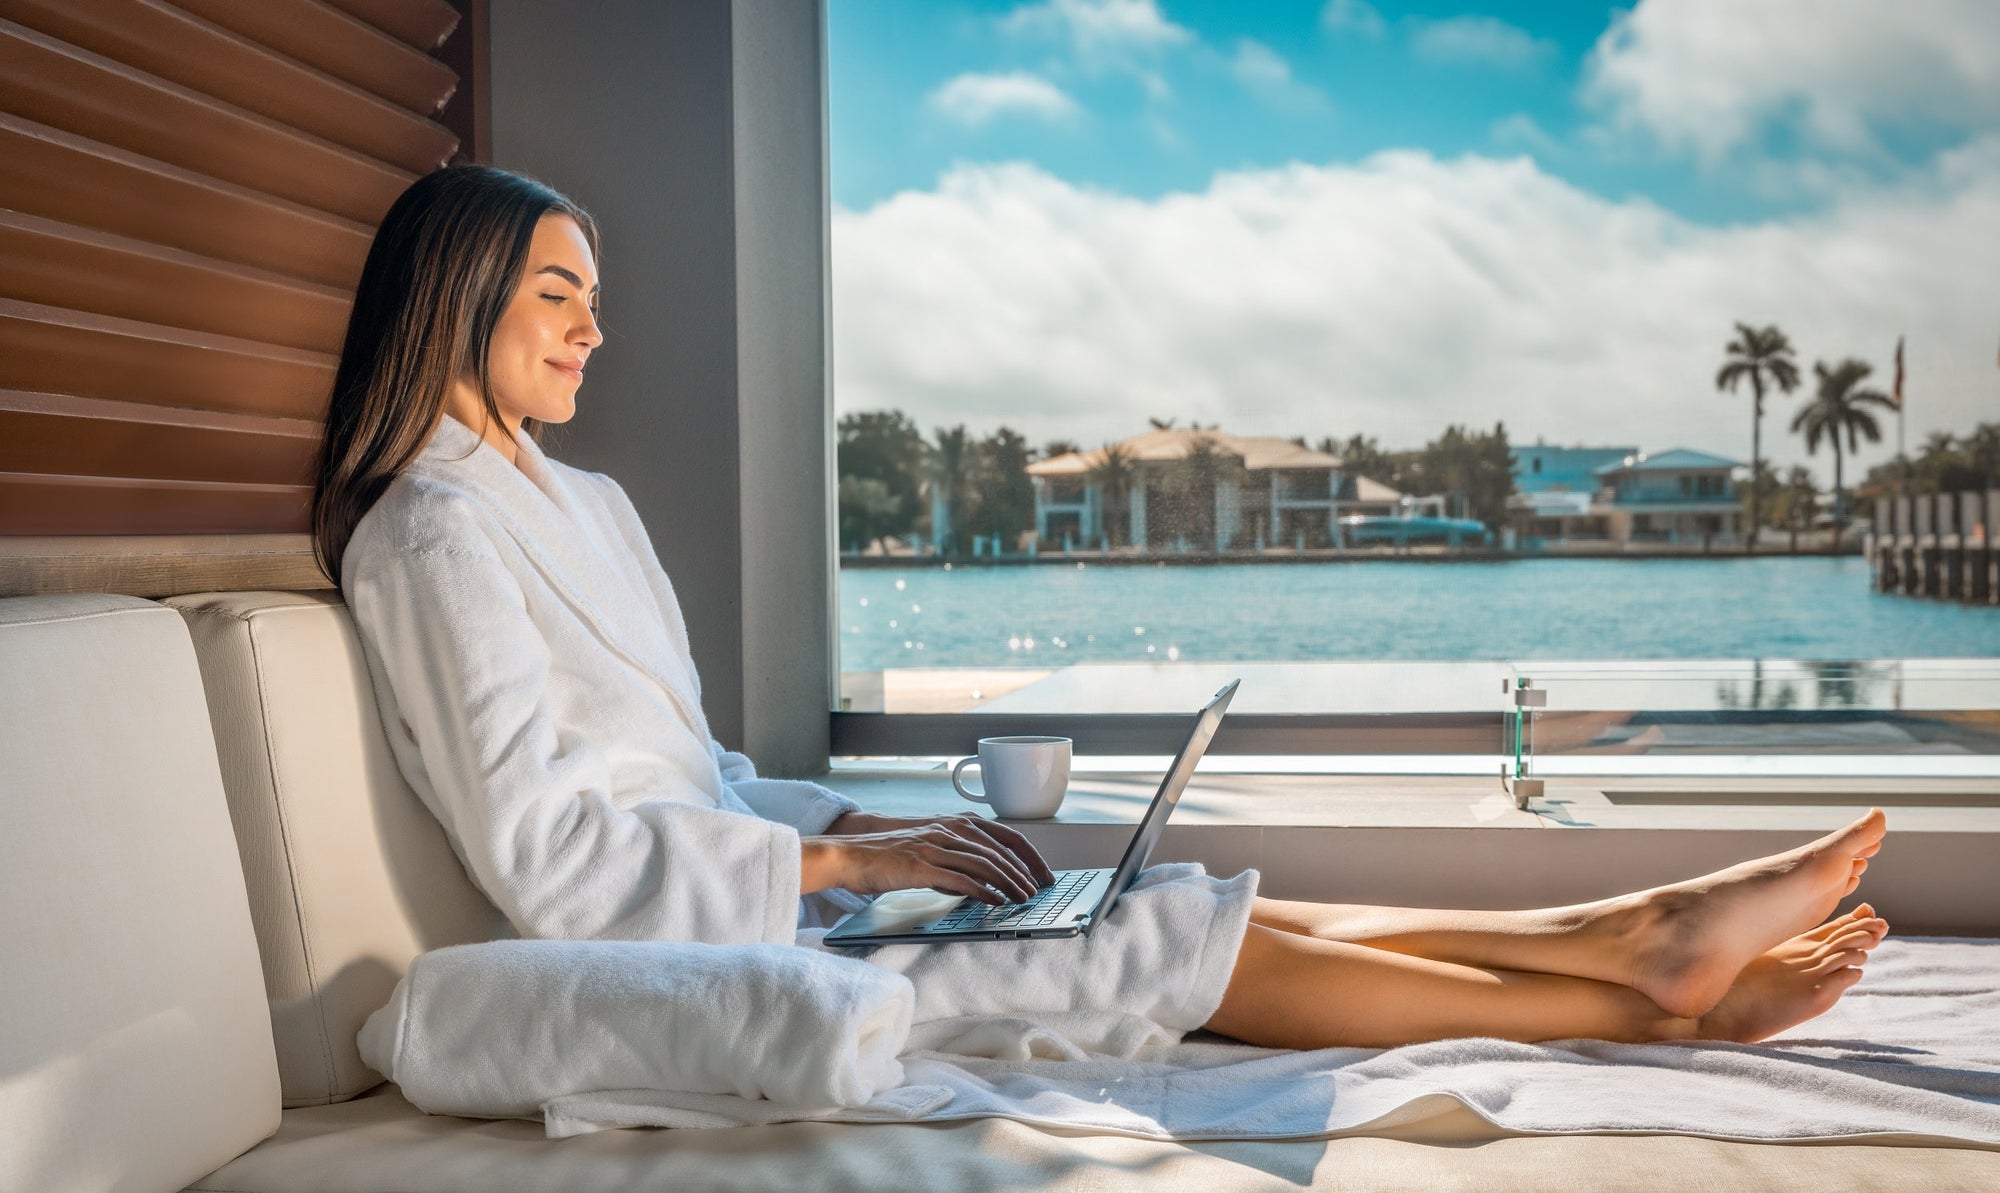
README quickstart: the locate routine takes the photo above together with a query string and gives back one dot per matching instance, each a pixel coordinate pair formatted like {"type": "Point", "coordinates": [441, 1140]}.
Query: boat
{"type": "Point", "coordinates": [1359, 530]}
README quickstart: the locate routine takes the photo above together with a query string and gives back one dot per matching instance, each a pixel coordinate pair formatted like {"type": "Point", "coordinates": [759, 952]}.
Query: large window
{"type": "Point", "coordinates": [1389, 355]}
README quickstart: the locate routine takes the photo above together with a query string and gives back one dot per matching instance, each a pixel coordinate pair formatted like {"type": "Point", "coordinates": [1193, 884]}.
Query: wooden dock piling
{"type": "Point", "coordinates": [1938, 545]}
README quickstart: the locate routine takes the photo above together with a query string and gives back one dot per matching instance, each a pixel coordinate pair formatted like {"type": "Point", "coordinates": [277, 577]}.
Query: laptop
{"type": "Point", "coordinates": [1074, 904]}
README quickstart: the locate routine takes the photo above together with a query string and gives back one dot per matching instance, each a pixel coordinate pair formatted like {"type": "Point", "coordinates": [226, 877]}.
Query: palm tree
{"type": "Point", "coordinates": [1839, 405]}
{"type": "Point", "coordinates": [1801, 499]}
{"type": "Point", "coordinates": [1937, 445]}
{"type": "Point", "coordinates": [951, 471]}
{"type": "Point", "coordinates": [1983, 447]}
{"type": "Point", "coordinates": [1113, 475]}
{"type": "Point", "coordinates": [1937, 461]}
{"type": "Point", "coordinates": [1765, 358]}
{"type": "Point", "coordinates": [1191, 487]}
{"type": "Point", "coordinates": [866, 508]}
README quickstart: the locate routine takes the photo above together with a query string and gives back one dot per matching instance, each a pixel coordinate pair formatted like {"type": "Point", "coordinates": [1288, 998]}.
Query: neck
{"type": "Point", "coordinates": [463, 404]}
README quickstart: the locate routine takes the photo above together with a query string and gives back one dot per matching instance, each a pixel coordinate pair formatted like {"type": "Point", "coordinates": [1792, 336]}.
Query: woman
{"type": "Point", "coordinates": [533, 672]}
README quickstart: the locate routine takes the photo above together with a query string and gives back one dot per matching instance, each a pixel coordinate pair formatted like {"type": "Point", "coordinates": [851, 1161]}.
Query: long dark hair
{"type": "Point", "coordinates": [444, 265]}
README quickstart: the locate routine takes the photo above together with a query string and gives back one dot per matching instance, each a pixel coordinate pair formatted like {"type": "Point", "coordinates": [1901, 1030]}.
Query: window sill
{"type": "Point", "coordinates": [1273, 800]}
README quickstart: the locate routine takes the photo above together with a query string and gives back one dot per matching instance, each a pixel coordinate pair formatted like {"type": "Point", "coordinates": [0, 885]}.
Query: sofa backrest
{"type": "Point", "coordinates": [350, 876]}
{"type": "Point", "coordinates": [135, 1048]}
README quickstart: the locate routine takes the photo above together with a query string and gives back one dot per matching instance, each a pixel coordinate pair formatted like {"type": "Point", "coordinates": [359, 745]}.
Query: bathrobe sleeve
{"type": "Point", "coordinates": [806, 806]}
{"type": "Point", "coordinates": [528, 800]}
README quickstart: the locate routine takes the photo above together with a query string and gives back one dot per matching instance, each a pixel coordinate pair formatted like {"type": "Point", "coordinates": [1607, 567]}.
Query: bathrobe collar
{"type": "Point", "coordinates": [575, 547]}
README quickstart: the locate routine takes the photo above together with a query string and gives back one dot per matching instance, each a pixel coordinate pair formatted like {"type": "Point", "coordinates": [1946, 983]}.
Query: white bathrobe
{"type": "Point", "coordinates": [533, 672]}
{"type": "Point", "coordinates": [535, 681]}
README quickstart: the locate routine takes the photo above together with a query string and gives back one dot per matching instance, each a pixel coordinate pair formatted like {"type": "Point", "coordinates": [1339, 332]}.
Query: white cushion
{"type": "Point", "coordinates": [350, 875]}
{"type": "Point", "coordinates": [382, 1142]}
{"type": "Point", "coordinates": [135, 1049]}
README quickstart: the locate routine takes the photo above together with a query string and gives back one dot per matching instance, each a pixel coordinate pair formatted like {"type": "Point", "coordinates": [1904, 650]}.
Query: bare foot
{"type": "Point", "coordinates": [1796, 981]}
{"type": "Point", "coordinates": [1689, 941]}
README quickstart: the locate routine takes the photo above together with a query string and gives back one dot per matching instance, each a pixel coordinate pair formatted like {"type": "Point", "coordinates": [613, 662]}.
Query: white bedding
{"type": "Point", "coordinates": [1913, 1051]}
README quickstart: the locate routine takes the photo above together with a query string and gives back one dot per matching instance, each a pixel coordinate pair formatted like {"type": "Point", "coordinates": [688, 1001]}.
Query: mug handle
{"type": "Point", "coordinates": [973, 760]}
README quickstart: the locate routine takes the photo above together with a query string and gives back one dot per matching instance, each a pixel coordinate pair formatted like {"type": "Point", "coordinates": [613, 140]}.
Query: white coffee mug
{"type": "Point", "coordinates": [1024, 777]}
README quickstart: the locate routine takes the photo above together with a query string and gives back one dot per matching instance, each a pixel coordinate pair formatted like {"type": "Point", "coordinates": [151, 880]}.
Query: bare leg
{"type": "Point", "coordinates": [1294, 991]}
{"type": "Point", "coordinates": [1682, 945]}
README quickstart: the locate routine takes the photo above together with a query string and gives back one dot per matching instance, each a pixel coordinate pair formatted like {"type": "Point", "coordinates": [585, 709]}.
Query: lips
{"type": "Point", "coordinates": [573, 369]}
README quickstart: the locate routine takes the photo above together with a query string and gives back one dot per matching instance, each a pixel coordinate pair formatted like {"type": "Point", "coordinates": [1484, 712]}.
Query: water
{"type": "Point", "coordinates": [1057, 615]}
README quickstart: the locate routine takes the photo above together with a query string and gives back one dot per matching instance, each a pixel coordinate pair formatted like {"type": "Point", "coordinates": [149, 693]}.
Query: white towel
{"type": "Point", "coordinates": [1165, 952]}
{"type": "Point", "coordinates": [1913, 1051]}
{"type": "Point", "coordinates": [495, 1030]}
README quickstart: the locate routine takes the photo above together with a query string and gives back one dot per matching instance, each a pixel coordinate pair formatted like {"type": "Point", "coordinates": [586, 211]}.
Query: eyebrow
{"type": "Point", "coordinates": [567, 276]}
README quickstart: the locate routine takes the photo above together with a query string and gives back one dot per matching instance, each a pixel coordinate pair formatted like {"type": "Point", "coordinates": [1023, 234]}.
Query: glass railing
{"type": "Point", "coordinates": [1932, 716]}
{"type": "Point", "coordinates": [1935, 717]}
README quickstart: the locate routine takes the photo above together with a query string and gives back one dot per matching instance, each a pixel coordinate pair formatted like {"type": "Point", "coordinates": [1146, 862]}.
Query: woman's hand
{"type": "Point", "coordinates": [962, 855]}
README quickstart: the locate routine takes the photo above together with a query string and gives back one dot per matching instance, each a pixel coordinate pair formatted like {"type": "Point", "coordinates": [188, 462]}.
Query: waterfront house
{"type": "Point", "coordinates": [1674, 496]}
{"type": "Point", "coordinates": [1622, 495]}
{"type": "Point", "coordinates": [1271, 492]}
{"type": "Point", "coordinates": [1555, 489]}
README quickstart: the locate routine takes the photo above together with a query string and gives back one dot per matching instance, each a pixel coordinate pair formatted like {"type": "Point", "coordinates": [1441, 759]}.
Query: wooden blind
{"type": "Point", "coordinates": [187, 193]}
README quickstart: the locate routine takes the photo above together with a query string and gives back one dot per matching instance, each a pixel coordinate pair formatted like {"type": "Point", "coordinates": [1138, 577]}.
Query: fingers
{"type": "Point", "coordinates": [967, 853]}
{"type": "Point", "coordinates": [1011, 841]}
{"type": "Point", "coordinates": [984, 836]}
{"type": "Point", "coordinates": [953, 882]}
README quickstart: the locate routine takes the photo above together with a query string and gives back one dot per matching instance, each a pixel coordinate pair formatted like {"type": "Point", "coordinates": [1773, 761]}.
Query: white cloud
{"type": "Point", "coordinates": [975, 99]}
{"type": "Point", "coordinates": [1101, 33]}
{"type": "Point", "coordinates": [1396, 296]}
{"type": "Point", "coordinates": [1708, 76]}
{"type": "Point", "coordinates": [1485, 40]}
{"type": "Point", "coordinates": [1264, 73]}
{"type": "Point", "coordinates": [1352, 16]}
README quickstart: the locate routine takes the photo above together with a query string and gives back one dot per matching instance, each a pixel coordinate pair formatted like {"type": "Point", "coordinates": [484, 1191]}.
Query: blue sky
{"type": "Point", "coordinates": [1322, 216]}
{"type": "Point", "coordinates": [1497, 78]}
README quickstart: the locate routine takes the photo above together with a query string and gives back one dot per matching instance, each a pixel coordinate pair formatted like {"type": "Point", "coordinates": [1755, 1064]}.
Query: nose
{"type": "Point", "coordinates": [586, 333]}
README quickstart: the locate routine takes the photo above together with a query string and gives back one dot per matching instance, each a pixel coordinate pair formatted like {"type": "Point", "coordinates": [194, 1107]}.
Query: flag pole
{"type": "Point", "coordinates": [1902, 460]}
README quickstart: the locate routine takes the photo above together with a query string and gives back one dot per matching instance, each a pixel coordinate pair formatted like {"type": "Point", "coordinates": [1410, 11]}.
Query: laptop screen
{"type": "Point", "coordinates": [1155, 822]}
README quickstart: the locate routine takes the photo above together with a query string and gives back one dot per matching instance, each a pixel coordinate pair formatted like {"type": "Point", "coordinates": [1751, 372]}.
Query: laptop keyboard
{"type": "Point", "coordinates": [1047, 905]}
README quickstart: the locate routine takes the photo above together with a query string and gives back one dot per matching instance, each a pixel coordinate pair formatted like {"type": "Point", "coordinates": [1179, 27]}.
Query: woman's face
{"type": "Point", "coordinates": [549, 330]}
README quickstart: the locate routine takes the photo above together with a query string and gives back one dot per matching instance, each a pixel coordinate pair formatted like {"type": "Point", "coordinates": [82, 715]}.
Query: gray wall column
{"type": "Point", "coordinates": [695, 133]}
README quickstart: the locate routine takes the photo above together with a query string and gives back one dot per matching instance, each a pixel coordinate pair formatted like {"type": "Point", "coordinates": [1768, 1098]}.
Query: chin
{"type": "Point", "coordinates": [555, 412]}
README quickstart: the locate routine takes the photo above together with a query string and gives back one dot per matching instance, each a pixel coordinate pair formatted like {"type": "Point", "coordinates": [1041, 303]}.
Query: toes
{"type": "Point", "coordinates": [1862, 833]}
{"type": "Point", "coordinates": [1854, 939]}
{"type": "Point", "coordinates": [1837, 961]}
{"type": "Point", "coordinates": [1853, 884]}
{"type": "Point", "coordinates": [1871, 851]}
{"type": "Point", "coordinates": [1860, 866]}
{"type": "Point", "coordinates": [1834, 926]}
{"type": "Point", "coordinates": [1842, 979]}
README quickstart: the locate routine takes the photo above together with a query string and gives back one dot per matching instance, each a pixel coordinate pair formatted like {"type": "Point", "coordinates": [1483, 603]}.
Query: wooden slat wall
{"type": "Point", "coordinates": [187, 192]}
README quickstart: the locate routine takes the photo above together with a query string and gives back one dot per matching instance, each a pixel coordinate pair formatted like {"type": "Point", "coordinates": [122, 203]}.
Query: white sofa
{"type": "Point", "coordinates": [211, 872]}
